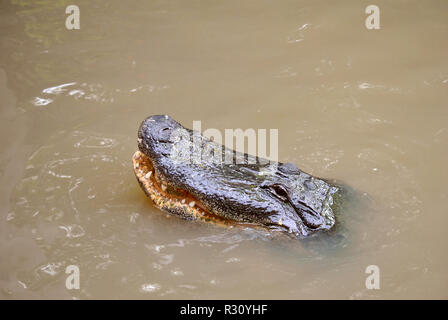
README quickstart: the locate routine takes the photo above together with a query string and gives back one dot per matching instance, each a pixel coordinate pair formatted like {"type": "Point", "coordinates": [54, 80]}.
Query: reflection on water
{"type": "Point", "coordinates": [365, 107]}
{"type": "Point", "coordinates": [86, 91]}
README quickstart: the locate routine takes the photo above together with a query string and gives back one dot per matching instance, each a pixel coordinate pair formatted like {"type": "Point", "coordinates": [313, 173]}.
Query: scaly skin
{"type": "Point", "coordinates": [285, 199]}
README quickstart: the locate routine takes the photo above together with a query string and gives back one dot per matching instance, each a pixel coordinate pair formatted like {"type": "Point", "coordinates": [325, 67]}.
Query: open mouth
{"type": "Point", "coordinates": [170, 199]}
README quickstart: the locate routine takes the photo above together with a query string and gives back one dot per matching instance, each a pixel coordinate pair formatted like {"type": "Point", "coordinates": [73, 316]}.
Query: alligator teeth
{"type": "Point", "coordinates": [148, 175]}
{"type": "Point", "coordinates": [139, 140]}
{"type": "Point", "coordinates": [192, 203]}
{"type": "Point", "coordinates": [280, 222]}
{"type": "Point", "coordinates": [163, 187]}
{"type": "Point", "coordinates": [183, 201]}
{"type": "Point", "coordinates": [136, 165]}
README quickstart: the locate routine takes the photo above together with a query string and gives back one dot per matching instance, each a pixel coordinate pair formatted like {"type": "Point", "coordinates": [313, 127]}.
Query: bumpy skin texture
{"type": "Point", "coordinates": [284, 199]}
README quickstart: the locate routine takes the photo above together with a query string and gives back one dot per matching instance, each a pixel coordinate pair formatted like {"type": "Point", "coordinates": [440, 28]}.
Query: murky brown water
{"type": "Point", "coordinates": [366, 107]}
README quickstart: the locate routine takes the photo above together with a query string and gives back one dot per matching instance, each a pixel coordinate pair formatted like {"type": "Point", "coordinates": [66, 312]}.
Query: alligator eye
{"type": "Point", "coordinates": [279, 191]}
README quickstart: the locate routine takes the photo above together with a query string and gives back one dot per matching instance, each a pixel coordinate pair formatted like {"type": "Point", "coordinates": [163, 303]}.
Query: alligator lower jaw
{"type": "Point", "coordinates": [181, 204]}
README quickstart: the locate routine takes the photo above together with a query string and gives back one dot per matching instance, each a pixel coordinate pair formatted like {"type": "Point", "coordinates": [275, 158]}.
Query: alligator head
{"type": "Point", "coordinates": [174, 172]}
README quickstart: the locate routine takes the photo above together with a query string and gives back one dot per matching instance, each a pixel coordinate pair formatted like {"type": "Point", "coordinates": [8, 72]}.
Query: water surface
{"type": "Point", "coordinates": [367, 107]}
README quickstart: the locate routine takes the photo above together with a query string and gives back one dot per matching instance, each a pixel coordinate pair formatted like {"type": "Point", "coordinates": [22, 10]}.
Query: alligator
{"type": "Point", "coordinates": [247, 191]}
